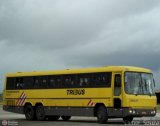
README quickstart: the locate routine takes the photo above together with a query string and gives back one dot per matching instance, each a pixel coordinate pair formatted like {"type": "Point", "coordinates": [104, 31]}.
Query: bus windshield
{"type": "Point", "coordinates": [139, 83]}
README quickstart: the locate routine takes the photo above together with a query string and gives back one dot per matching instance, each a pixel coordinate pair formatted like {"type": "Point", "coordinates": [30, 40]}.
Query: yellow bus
{"type": "Point", "coordinates": [104, 92]}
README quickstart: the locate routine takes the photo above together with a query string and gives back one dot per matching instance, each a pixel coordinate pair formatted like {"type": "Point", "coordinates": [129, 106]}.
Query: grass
{"type": "Point", "coordinates": [1, 103]}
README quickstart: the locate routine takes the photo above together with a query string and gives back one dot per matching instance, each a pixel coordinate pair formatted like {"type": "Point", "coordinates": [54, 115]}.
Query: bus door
{"type": "Point", "coordinates": [117, 96]}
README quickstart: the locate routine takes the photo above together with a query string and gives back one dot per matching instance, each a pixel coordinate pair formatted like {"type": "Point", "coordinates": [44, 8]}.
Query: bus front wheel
{"type": "Point", "coordinates": [65, 118]}
{"type": "Point", "coordinates": [29, 112]}
{"type": "Point", "coordinates": [102, 116]}
{"type": "Point", "coordinates": [40, 113]}
{"type": "Point", "coordinates": [127, 119]}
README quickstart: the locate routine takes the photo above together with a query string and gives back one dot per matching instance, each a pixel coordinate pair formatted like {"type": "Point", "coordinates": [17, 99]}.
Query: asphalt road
{"type": "Point", "coordinates": [19, 120]}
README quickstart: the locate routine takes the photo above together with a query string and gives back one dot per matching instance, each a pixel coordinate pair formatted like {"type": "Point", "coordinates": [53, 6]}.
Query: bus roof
{"type": "Point", "coordinates": [81, 70]}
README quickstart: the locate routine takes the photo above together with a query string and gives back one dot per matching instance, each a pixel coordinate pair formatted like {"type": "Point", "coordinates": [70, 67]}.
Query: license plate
{"type": "Point", "coordinates": [144, 113]}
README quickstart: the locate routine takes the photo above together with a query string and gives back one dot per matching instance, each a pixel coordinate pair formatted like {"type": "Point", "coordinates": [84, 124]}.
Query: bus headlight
{"type": "Point", "coordinates": [134, 111]}
{"type": "Point", "coordinates": [153, 112]}
{"type": "Point", "coordinates": [130, 111]}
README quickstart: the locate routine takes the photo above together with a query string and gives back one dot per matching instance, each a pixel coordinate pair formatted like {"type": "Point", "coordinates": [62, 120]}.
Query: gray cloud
{"type": "Point", "coordinates": [45, 35]}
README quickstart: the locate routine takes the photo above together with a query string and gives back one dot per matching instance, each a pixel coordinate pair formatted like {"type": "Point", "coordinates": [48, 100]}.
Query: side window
{"type": "Point", "coordinates": [10, 83]}
{"type": "Point", "coordinates": [36, 82]}
{"type": "Point", "coordinates": [102, 79]}
{"type": "Point", "coordinates": [59, 81]}
{"type": "Point", "coordinates": [52, 82]}
{"type": "Point", "coordinates": [55, 81]}
{"type": "Point", "coordinates": [44, 82]}
{"type": "Point", "coordinates": [19, 83]}
{"type": "Point", "coordinates": [69, 80]}
{"type": "Point", "coordinates": [28, 82]}
{"type": "Point", "coordinates": [40, 82]}
{"type": "Point", "coordinates": [84, 80]}
{"type": "Point", "coordinates": [108, 77]}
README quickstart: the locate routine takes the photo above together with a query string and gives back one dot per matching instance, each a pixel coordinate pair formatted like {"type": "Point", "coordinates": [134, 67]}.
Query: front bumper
{"type": "Point", "coordinates": [134, 112]}
{"type": "Point", "coordinates": [139, 112]}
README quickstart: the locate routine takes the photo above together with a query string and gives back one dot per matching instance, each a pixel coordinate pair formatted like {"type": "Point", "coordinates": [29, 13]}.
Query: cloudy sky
{"type": "Point", "coordinates": [58, 34]}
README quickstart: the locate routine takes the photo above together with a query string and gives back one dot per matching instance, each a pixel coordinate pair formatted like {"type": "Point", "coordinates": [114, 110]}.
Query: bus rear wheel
{"type": "Point", "coordinates": [66, 118]}
{"type": "Point", "coordinates": [29, 112]}
{"type": "Point", "coordinates": [102, 115]}
{"type": "Point", "coordinates": [40, 113]}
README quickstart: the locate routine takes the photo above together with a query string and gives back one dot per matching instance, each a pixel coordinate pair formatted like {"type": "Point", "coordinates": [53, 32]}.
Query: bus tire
{"type": "Point", "coordinates": [29, 112]}
{"type": "Point", "coordinates": [66, 118]}
{"type": "Point", "coordinates": [127, 119]}
{"type": "Point", "coordinates": [40, 113]}
{"type": "Point", "coordinates": [102, 115]}
{"type": "Point", "coordinates": [53, 118]}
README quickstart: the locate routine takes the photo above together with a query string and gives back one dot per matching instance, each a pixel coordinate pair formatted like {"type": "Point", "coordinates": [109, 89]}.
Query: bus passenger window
{"type": "Point", "coordinates": [10, 83]}
{"type": "Point", "coordinates": [86, 81]}
{"type": "Point", "coordinates": [52, 83]}
{"type": "Point", "coordinates": [44, 81]}
{"type": "Point", "coordinates": [69, 80]}
{"type": "Point", "coordinates": [19, 83]}
{"type": "Point", "coordinates": [81, 82]}
{"type": "Point", "coordinates": [28, 82]}
{"type": "Point", "coordinates": [59, 81]}
{"type": "Point", "coordinates": [36, 82]}
{"type": "Point", "coordinates": [102, 79]}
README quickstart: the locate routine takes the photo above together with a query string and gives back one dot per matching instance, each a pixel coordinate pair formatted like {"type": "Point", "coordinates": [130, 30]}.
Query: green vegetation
{"type": "Point", "coordinates": [1, 97]}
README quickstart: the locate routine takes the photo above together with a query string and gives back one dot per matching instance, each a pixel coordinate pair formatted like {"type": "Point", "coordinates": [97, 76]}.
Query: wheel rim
{"type": "Point", "coordinates": [99, 116]}
{"type": "Point", "coordinates": [102, 115]}
{"type": "Point", "coordinates": [40, 113]}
